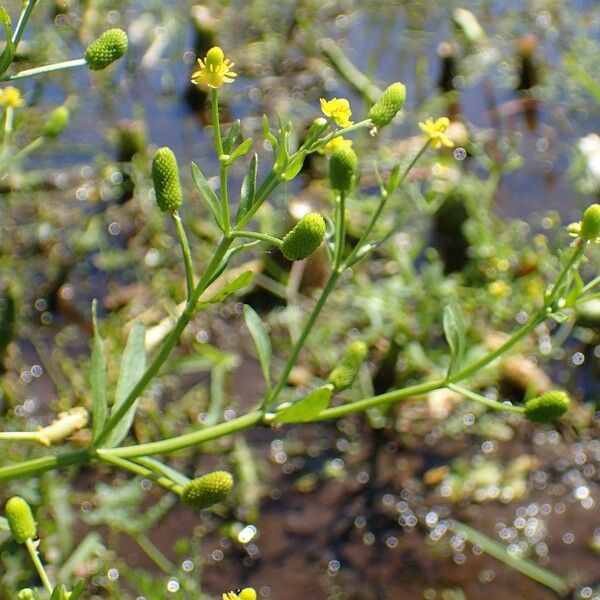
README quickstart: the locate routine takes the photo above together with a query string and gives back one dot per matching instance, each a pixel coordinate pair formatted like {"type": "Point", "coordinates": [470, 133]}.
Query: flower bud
{"type": "Point", "coordinates": [304, 238]}
{"type": "Point", "coordinates": [548, 407]}
{"type": "Point", "coordinates": [342, 168]}
{"type": "Point", "coordinates": [25, 594]}
{"type": "Point", "coordinates": [20, 520]}
{"type": "Point", "coordinates": [208, 489]}
{"type": "Point", "coordinates": [240, 594]}
{"type": "Point", "coordinates": [165, 177]}
{"type": "Point", "coordinates": [388, 105]}
{"type": "Point", "coordinates": [56, 123]}
{"type": "Point", "coordinates": [345, 373]}
{"type": "Point", "coordinates": [68, 423]}
{"type": "Point", "coordinates": [108, 48]}
{"type": "Point", "coordinates": [590, 223]}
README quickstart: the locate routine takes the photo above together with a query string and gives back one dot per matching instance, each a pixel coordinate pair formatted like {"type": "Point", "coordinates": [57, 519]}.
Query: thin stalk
{"type": "Point", "coordinates": [569, 266]}
{"type": "Point", "coordinates": [387, 398]}
{"type": "Point", "coordinates": [189, 439]}
{"type": "Point", "coordinates": [22, 23]}
{"type": "Point", "coordinates": [255, 235]}
{"type": "Point", "coordinates": [21, 154]}
{"type": "Point", "coordinates": [187, 256]}
{"type": "Point", "coordinates": [499, 552]}
{"type": "Point", "coordinates": [340, 229]}
{"type": "Point", "coordinates": [384, 198]}
{"type": "Point", "coordinates": [35, 466]}
{"type": "Point", "coordinates": [157, 557]}
{"type": "Point", "coordinates": [170, 341]}
{"type": "Point", "coordinates": [593, 283]}
{"type": "Point", "coordinates": [322, 141]}
{"type": "Point", "coordinates": [163, 469]}
{"type": "Point", "coordinates": [485, 401]}
{"type": "Point", "coordinates": [222, 166]}
{"type": "Point", "coordinates": [37, 563]}
{"type": "Point", "coordinates": [140, 470]}
{"type": "Point", "coordinates": [293, 357]}
{"type": "Point", "coordinates": [59, 66]}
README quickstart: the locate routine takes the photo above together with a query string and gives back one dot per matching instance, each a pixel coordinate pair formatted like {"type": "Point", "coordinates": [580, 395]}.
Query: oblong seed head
{"type": "Point", "coordinates": [304, 238]}
{"type": "Point", "coordinates": [165, 178]}
{"type": "Point", "coordinates": [20, 519]}
{"type": "Point", "coordinates": [109, 47]}
{"type": "Point", "coordinates": [208, 489]}
{"type": "Point", "coordinates": [548, 407]}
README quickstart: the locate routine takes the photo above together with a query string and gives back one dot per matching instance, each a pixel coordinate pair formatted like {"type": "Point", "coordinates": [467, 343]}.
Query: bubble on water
{"type": "Point", "coordinates": [460, 153]}
{"type": "Point", "coordinates": [217, 555]}
{"type": "Point", "coordinates": [113, 574]}
{"type": "Point", "coordinates": [114, 228]}
{"type": "Point", "coordinates": [187, 565]}
{"type": "Point", "coordinates": [578, 358]}
{"type": "Point", "coordinates": [173, 585]}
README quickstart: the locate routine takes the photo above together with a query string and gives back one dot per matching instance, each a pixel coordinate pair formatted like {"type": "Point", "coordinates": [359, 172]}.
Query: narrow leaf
{"type": "Point", "coordinates": [294, 167]}
{"type": "Point", "coordinates": [133, 364]}
{"type": "Point", "coordinates": [454, 329]}
{"type": "Point", "coordinates": [77, 590]}
{"type": "Point", "coordinates": [208, 194]}
{"type": "Point", "coordinates": [248, 188]}
{"type": "Point", "coordinates": [233, 286]}
{"type": "Point", "coordinates": [260, 335]}
{"type": "Point", "coordinates": [231, 136]}
{"type": "Point", "coordinates": [307, 408]}
{"type": "Point", "coordinates": [241, 150]}
{"type": "Point", "coordinates": [267, 132]}
{"type": "Point", "coordinates": [98, 380]}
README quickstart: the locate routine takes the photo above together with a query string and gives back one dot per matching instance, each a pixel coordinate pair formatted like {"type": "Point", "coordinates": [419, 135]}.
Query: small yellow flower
{"type": "Point", "coordinates": [339, 109]}
{"type": "Point", "coordinates": [434, 130]}
{"type": "Point", "coordinates": [11, 96]}
{"type": "Point", "coordinates": [499, 289]}
{"type": "Point", "coordinates": [334, 144]}
{"type": "Point", "coordinates": [245, 594]}
{"type": "Point", "coordinates": [215, 70]}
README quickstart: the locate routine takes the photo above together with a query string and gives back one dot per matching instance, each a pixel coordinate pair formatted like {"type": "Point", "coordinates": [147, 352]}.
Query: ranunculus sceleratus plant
{"type": "Point", "coordinates": [329, 134]}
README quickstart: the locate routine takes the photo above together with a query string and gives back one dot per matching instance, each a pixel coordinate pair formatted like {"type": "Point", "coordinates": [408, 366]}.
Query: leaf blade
{"type": "Point", "coordinates": [305, 409]}
{"type": "Point", "coordinates": [262, 342]}
{"type": "Point", "coordinates": [248, 190]}
{"type": "Point", "coordinates": [133, 364]}
{"type": "Point", "coordinates": [98, 379]}
{"type": "Point", "coordinates": [453, 323]}
{"type": "Point", "coordinates": [208, 194]}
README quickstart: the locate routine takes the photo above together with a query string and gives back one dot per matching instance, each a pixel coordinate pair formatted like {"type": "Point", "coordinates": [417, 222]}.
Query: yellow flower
{"type": "Point", "coordinates": [245, 594]}
{"type": "Point", "coordinates": [334, 144]}
{"type": "Point", "coordinates": [214, 70]}
{"type": "Point", "coordinates": [11, 96]}
{"type": "Point", "coordinates": [499, 289]}
{"type": "Point", "coordinates": [434, 130]}
{"type": "Point", "coordinates": [339, 109]}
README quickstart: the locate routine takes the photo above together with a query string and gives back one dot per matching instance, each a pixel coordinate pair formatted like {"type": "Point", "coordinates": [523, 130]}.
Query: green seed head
{"type": "Point", "coordinates": [108, 48]}
{"type": "Point", "coordinates": [342, 168]}
{"type": "Point", "coordinates": [25, 594]}
{"type": "Point", "coordinates": [304, 238]}
{"type": "Point", "coordinates": [388, 105]}
{"type": "Point", "coordinates": [590, 224]}
{"type": "Point", "coordinates": [208, 489]}
{"type": "Point", "coordinates": [548, 407]}
{"type": "Point", "coordinates": [165, 177]}
{"type": "Point", "coordinates": [56, 123]}
{"type": "Point", "coordinates": [345, 373]}
{"type": "Point", "coordinates": [214, 57]}
{"type": "Point", "coordinates": [20, 520]}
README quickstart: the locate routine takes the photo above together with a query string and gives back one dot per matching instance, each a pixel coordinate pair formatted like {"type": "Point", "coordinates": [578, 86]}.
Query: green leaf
{"type": "Point", "coordinates": [240, 150]}
{"type": "Point", "coordinates": [231, 136]}
{"type": "Point", "coordinates": [77, 590]}
{"type": "Point", "coordinates": [294, 167]}
{"type": "Point", "coordinates": [454, 330]}
{"type": "Point", "coordinates": [260, 335]}
{"type": "Point", "coordinates": [233, 286]}
{"type": "Point", "coordinates": [575, 292]}
{"type": "Point", "coordinates": [393, 179]}
{"type": "Point", "coordinates": [133, 364]}
{"type": "Point", "coordinates": [248, 189]}
{"type": "Point", "coordinates": [98, 380]}
{"type": "Point", "coordinates": [307, 408]}
{"type": "Point", "coordinates": [9, 49]}
{"type": "Point", "coordinates": [267, 133]}
{"type": "Point", "coordinates": [208, 194]}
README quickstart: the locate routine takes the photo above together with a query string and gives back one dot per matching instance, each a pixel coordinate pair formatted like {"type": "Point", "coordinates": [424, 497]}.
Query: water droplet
{"type": "Point", "coordinates": [460, 153]}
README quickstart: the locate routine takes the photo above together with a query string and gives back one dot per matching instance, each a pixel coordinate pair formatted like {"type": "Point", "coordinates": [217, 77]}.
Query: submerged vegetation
{"type": "Point", "coordinates": [264, 355]}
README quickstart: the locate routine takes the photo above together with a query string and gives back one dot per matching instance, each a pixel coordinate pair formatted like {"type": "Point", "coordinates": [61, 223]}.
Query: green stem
{"type": "Point", "coordinates": [37, 563]}
{"type": "Point", "coordinates": [345, 130]}
{"type": "Point", "coordinates": [570, 265]}
{"type": "Point", "coordinates": [23, 436]}
{"type": "Point", "coordinates": [255, 235]}
{"type": "Point", "coordinates": [593, 283]}
{"type": "Point", "coordinates": [22, 23]}
{"type": "Point", "coordinates": [30, 468]}
{"type": "Point", "coordinates": [140, 470]}
{"type": "Point", "coordinates": [293, 357]}
{"type": "Point", "coordinates": [187, 256]}
{"type": "Point", "coordinates": [387, 398]}
{"type": "Point", "coordinates": [268, 186]}
{"type": "Point", "coordinates": [60, 66]}
{"type": "Point", "coordinates": [189, 439]}
{"type": "Point", "coordinates": [384, 198]}
{"type": "Point", "coordinates": [499, 552]}
{"type": "Point", "coordinates": [169, 343]}
{"type": "Point", "coordinates": [340, 230]}
{"type": "Point", "coordinates": [157, 557]}
{"type": "Point", "coordinates": [20, 155]}
{"type": "Point", "coordinates": [485, 401]}
{"type": "Point", "coordinates": [222, 165]}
